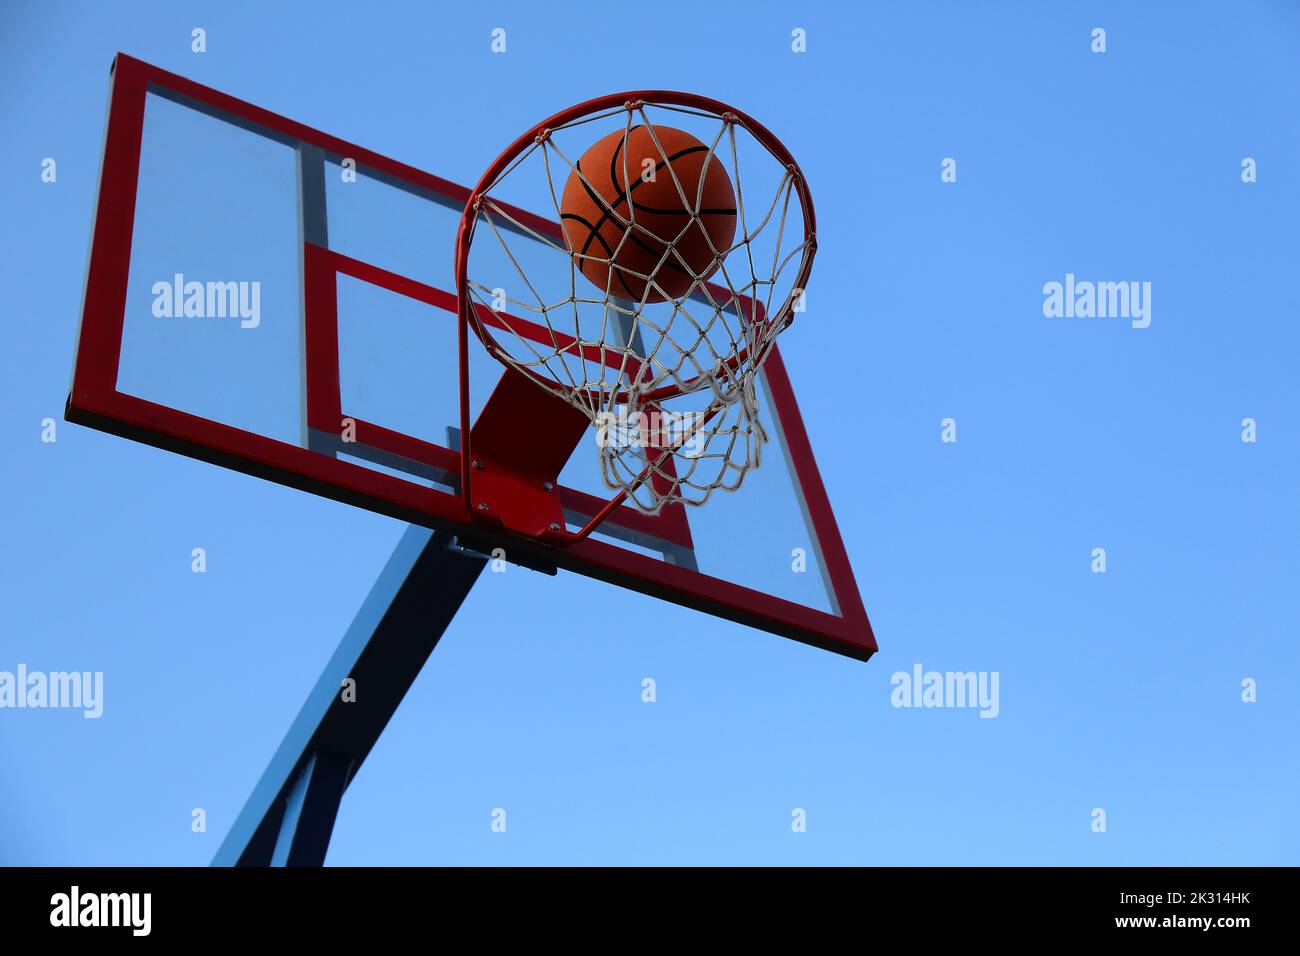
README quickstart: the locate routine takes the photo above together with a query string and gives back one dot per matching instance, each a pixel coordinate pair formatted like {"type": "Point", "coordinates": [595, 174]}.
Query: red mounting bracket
{"type": "Point", "coordinates": [518, 446]}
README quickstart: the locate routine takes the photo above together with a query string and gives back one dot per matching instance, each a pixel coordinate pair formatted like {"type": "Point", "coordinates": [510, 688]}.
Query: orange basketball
{"type": "Point", "coordinates": [595, 213]}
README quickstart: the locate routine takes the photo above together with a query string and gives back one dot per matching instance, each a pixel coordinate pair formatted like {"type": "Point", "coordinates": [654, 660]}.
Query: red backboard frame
{"type": "Point", "coordinates": [95, 401]}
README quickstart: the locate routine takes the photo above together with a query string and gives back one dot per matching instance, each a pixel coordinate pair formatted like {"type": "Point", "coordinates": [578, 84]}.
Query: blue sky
{"type": "Point", "coordinates": [1119, 691]}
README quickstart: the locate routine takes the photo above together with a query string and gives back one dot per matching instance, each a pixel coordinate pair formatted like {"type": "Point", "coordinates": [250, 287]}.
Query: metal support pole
{"type": "Point", "coordinates": [289, 817]}
{"type": "Point", "coordinates": [308, 816]}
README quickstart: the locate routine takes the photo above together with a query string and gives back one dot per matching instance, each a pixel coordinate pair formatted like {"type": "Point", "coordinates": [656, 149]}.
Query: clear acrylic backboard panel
{"type": "Point", "coordinates": [274, 300]}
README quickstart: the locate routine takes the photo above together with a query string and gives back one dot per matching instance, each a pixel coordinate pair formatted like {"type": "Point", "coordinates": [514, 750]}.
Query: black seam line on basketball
{"type": "Point", "coordinates": [613, 165]}
{"type": "Point", "coordinates": [595, 198]}
{"type": "Point", "coordinates": [609, 253]}
{"type": "Point", "coordinates": [640, 180]}
{"type": "Point", "coordinates": [670, 263]}
{"type": "Point", "coordinates": [609, 208]}
{"type": "Point", "coordinates": [592, 229]}
{"type": "Point", "coordinates": [593, 232]}
{"type": "Point", "coordinates": [658, 166]}
{"type": "Point", "coordinates": [591, 236]}
{"type": "Point", "coordinates": [603, 203]}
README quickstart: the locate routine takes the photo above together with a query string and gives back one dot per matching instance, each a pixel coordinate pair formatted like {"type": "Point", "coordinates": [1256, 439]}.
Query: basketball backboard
{"type": "Point", "coordinates": [277, 301]}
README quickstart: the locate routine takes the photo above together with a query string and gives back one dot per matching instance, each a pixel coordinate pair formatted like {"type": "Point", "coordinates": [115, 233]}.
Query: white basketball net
{"type": "Point", "coordinates": [608, 356]}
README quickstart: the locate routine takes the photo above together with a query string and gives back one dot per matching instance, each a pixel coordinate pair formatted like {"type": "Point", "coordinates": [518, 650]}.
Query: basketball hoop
{"type": "Point", "coordinates": [661, 294]}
